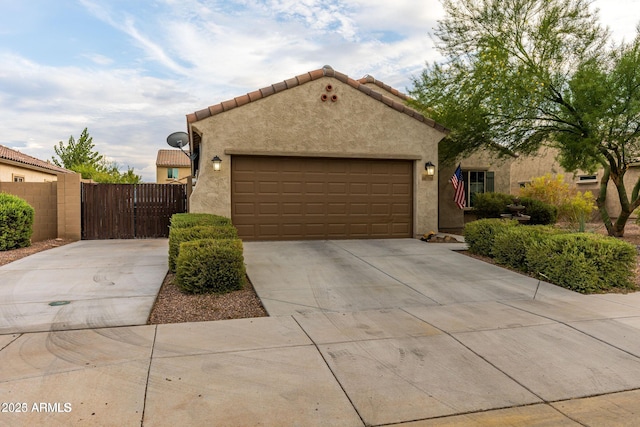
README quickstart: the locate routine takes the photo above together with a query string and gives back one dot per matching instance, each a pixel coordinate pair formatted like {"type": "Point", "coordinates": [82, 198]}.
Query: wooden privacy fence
{"type": "Point", "coordinates": [129, 211]}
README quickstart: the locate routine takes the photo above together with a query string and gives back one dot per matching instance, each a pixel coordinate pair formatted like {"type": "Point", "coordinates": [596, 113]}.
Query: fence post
{"type": "Point", "coordinates": [69, 206]}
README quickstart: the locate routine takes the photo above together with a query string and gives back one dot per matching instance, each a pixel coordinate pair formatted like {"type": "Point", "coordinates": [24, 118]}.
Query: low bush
{"type": "Point", "coordinates": [584, 262]}
{"type": "Point", "coordinates": [179, 235]}
{"type": "Point", "coordinates": [510, 247]}
{"type": "Point", "coordinates": [16, 222]}
{"type": "Point", "coordinates": [491, 205]}
{"type": "Point", "coordinates": [541, 213]}
{"type": "Point", "coordinates": [183, 220]}
{"type": "Point", "coordinates": [480, 234]}
{"type": "Point", "coordinates": [210, 266]}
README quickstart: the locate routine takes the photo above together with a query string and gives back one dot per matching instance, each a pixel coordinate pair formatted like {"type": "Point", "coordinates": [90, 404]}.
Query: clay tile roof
{"type": "Point", "coordinates": [18, 157]}
{"type": "Point", "coordinates": [396, 92]}
{"type": "Point", "coordinates": [172, 158]}
{"type": "Point", "coordinates": [325, 71]}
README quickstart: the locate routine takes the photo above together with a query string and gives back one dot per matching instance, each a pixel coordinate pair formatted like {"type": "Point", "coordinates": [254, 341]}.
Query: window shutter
{"type": "Point", "coordinates": [489, 188]}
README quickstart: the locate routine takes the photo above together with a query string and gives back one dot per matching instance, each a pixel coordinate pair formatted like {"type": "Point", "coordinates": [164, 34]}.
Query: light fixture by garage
{"type": "Point", "coordinates": [430, 168]}
{"type": "Point", "coordinates": [216, 163]}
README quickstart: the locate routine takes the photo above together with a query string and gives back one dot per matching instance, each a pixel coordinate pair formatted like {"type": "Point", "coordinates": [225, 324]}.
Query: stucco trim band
{"type": "Point", "coordinates": [389, 156]}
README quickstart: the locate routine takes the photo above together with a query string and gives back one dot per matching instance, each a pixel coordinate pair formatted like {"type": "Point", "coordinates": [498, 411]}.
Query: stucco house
{"type": "Point", "coordinates": [317, 156]}
{"type": "Point", "coordinates": [19, 167]}
{"type": "Point", "coordinates": [172, 167]}
{"type": "Point", "coordinates": [485, 172]}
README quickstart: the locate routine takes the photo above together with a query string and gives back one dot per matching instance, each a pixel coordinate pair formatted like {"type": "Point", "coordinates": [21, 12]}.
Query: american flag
{"type": "Point", "coordinates": [458, 186]}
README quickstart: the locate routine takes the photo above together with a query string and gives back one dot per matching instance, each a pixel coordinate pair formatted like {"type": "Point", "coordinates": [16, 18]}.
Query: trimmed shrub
{"type": "Point", "coordinates": [183, 220]}
{"type": "Point", "coordinates": [584, 262]}
{"type": "Point", "coordinates": [491, 205]}
{"type": "Point", "coordinates": [210, 266]}
{"type": "Point", "coordinates": [16, 222]}
{"type": "Point", "coordinates": [186, 234]}
{"type": "Point", "coordinates": [510, 247]}
{"type": "Point", "coordinates": [480, 234]}
{"type": "Point", "coordinates": [540, 212]}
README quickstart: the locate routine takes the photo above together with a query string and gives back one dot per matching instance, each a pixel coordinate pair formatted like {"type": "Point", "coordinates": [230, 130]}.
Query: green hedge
{"type": "Point", "coordinates": [480, 234]}
{"type": "Point", "coordinates": [540, 212]}
{"type": "Point", "coordinates": [510, 247]}
{"type": "Point", "coordinates": [183, 220]}
{"type": "Point", "coordinates": [16, 222]}
{"type": "Point", "coordinates": [210, 266]}
{"type": "Point", "coordinates": [584, 262]}
{"type": "Point", "coordinates": [491, 205]}
{"type": "Point", "coordinates": [185, 234]}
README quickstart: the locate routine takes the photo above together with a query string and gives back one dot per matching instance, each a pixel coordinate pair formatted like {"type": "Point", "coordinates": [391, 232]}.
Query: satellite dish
{"type": "Point", "coordinates": [178, 139]}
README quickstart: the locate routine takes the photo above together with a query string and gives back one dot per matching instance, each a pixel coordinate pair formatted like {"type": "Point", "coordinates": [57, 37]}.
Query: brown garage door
{"type": "Point", "coordinates": [290, 198]}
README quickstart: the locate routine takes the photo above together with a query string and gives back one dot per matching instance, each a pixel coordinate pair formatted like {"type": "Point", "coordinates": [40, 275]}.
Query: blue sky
{"type": "Point", "coordinates": [130, 70]}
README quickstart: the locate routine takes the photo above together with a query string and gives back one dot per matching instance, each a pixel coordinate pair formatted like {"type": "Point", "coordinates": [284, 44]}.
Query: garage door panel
{"type": "Point", "coordinates": [359, 188]}
{"type": "Point", "coordinates": [268, 209]}
{"type": "Point", "coordinates": [382, 189]}
{"type": "Point", "coordinates": [316, 230]}
{"type": "Point", "coordinates": [380, 229]}
{"type": "Point", "coordinates": [401, 209]}
{"type": "Point", "coordinates": [277, 198]}
{"type": "Point", "coordinates": [292, 188]}
{"type": "Point", "coordinates": [337, 188]}
{"type": "Point", "coordinates": [292, 208]}
{"type": "Point", "coordinates": [311, 187]}
{"type": "Point", "coordinates": [380, 209]}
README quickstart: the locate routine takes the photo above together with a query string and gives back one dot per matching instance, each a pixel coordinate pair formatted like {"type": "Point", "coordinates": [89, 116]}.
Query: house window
{"type": "Point", "coordinates": [172, 173]}
{"type": "Point", "coordinates": [477, 182]}
{"type": "Point", "coordinates": [587, 179]}
{"type": "Point", "coordinates": [18, 178]}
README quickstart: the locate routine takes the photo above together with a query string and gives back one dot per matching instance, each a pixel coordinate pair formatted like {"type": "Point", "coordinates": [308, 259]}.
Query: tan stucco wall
{"type": "Point", "coordinates": [161, 175]}
{"type": "Point", "coordinates": [56, 206]}
{"type": "Point", "coordinates": [42, 196]}
{"type": "Point", "coordinates": [297, 122]}
{"type": "Point", "coordinates": [527, 167]}
{"type": "Point", "coordinates": [8, 171]}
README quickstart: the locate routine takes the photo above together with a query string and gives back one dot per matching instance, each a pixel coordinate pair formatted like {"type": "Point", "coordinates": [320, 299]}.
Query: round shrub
{"type": "Point", "coordinates": [480, 234]}
{"type": "Point", "coordinates": [16, 222]}
{"type": "Point", "coordinates": [185, 234]}
{"type": "Point", "coordinates": [491, 205]}
{"type": "Point", "coordinates": [510, 247]}
{"type": "Point", "coordinates": [540, 212]}
{"type": "Point", "coordinates": [210, 266]}
{"type": "Point", "coordinates": [584, 262]}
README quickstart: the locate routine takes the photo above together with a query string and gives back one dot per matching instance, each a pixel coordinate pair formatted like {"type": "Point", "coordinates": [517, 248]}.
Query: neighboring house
{"type": "Point", "coordinates": [19, 167]}
{"type": "Point", "coordinates": [172, 166]}
{"type": "Point", "coordinates": [317, 156]}
{"type": "Point", "coordinates": [484, 172]}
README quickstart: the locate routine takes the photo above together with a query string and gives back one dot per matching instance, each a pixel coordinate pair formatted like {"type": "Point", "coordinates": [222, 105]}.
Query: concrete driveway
{"type": "Point", "coordinates": [99, 283]}
{"type": "Point", "coordinates": [386, 332]}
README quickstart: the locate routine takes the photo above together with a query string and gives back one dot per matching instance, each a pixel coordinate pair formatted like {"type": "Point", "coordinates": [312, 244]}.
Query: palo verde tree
{"type": "Point", "coordinates": [519, 74]}
{"type": "Point", "coordinates": [80, 156]}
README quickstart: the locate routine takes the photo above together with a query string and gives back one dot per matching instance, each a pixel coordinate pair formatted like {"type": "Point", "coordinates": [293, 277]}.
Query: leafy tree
{"type": "Point", "coordinates": [520, 74]}
{"type": "Point", "coordinates": [77, 153]}
{"type": "Point", "coordinates": [80, 156]}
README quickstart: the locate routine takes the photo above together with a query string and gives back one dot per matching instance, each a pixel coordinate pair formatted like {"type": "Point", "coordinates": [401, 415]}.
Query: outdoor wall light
{"type": "Point", "coordinates": [430, 168]}
{"type": "Point", "coordinates": [216, 163]}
